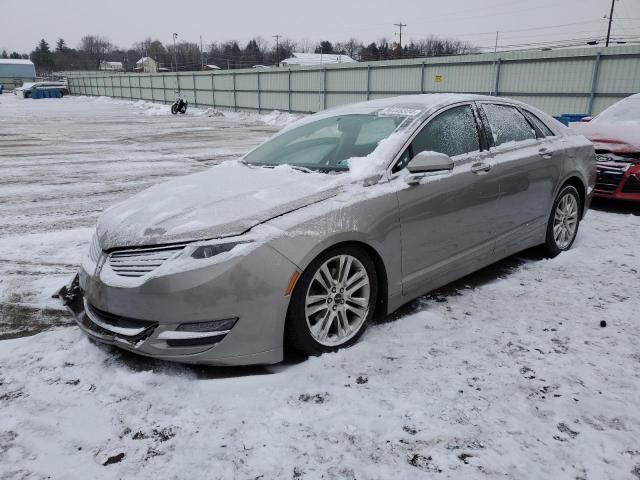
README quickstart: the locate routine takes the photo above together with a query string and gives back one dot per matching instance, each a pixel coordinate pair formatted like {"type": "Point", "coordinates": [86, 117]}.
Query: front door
{"type": "Point", "coordinates": [447, 219]}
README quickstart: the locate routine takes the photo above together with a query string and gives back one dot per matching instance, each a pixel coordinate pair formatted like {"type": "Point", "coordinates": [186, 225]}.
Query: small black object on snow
{"type": "Point", "coordinates": [603, 323]}
{"type": "Point", "coordinates": [114, 459]}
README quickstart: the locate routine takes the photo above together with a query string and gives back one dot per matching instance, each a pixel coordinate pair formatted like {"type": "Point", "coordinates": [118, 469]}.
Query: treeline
{"type": "Point", "coordinates": [93, 50]}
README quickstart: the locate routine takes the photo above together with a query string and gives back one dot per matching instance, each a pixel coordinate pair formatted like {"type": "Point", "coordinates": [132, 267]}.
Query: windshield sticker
{"type": "Point", "coordinates": [399, 112]}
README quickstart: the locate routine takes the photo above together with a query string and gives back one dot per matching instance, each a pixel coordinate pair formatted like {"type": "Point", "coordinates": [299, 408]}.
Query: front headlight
{"type": "Point", "coordinates": [94, 248]}
{"type": "Point", "coordinates": [213, 249]}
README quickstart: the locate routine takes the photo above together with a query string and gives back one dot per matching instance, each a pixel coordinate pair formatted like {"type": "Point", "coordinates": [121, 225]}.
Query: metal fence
{"type": "Point", "coordinates": [585, 80]}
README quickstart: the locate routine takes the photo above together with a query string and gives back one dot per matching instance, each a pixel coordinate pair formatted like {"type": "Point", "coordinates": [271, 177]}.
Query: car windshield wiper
{"type": "Point", "coordinates": [321, 169]}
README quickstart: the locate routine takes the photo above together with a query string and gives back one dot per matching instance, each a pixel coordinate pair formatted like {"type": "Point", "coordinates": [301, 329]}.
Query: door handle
{"type": "Point", "coordinates": [480, 167]}
{"type": "Point", "coordinates": [545, 153]}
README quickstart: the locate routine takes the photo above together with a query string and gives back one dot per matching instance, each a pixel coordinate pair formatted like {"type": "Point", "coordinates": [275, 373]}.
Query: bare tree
{"type": "Point", "coordinates": [351, 47]}
{"type": "Point", "coordinates": [96, 48]}
{"type": "Point", "coordinates": [306, 46]}
{"type": "Point", "coordinates": [150, 48]}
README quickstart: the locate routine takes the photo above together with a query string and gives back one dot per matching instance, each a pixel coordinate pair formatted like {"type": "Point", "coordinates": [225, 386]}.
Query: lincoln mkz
{"type": "Point", "coordinates": [342, 216]}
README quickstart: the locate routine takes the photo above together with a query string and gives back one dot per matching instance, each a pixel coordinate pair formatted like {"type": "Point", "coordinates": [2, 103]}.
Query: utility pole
{"type": "Point", "coordinates": [277, 37]}
{"type": "Point", "coordinates": [201, 55]}
{"type": "Point", "coordinates": [175, 57]}
{"type": "Point", "coordinates": [400, 25]}
{"type": "Point", "coordinates": [613, 3]}
{"type": "Point", "coordinates": [495, 60]}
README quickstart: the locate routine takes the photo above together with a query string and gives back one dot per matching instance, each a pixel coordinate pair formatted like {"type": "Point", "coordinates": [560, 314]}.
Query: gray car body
{"type": "Point", "coordinates": [420, 236]}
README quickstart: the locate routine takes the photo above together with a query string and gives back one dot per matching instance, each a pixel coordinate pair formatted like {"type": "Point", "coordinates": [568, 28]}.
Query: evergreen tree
{"type": "Point", "coordinates": [61, 46]}
{"type": "Point", "coordinates": [4, 54]}
{"type": "Point", "coordinates": [42, 57]}
{"type": "Point", "coordinates": [324, 47]}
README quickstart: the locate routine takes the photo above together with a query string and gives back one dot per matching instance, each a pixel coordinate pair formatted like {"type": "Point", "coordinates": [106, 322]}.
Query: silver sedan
{"type": "Point", "coordinates": [345, 215]}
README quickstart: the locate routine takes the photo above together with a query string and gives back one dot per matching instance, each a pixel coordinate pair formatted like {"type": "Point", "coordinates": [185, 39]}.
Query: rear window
{"type": "Point", "coordinates": [541, 127]}
{"type": "Point", "coordinates": [507, 124]}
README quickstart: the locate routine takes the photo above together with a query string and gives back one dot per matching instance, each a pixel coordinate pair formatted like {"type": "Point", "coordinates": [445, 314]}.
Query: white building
{"type": "Point", "coordinates": [14, 72]}
{"type": "Point", "coordinates": [147, 65]}
{"type": "Point", "coordinates": [316, 59]}
{"type": "Point", "coordinates": [111, 66]}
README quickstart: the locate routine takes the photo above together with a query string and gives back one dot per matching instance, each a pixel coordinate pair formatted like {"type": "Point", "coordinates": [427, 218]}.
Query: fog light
{"type": "Point", "coordinates": [214, 326]}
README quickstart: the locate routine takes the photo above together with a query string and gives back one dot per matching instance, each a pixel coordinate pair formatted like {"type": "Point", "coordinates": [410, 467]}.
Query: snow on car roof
{"type": "Point", "coordinates": [426, 101]}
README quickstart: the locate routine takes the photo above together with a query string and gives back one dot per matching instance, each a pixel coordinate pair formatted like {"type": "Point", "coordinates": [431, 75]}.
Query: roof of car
{"type": "Point", "coordinates": [417, 106]}
{"type": "Point", "coordinates": [421, 102]}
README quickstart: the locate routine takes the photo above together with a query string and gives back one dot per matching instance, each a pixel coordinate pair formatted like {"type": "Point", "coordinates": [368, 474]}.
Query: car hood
{"type": "Point", "coordinates": [613, 137]}
{"type": "Point", "coordinates": [223, 201]}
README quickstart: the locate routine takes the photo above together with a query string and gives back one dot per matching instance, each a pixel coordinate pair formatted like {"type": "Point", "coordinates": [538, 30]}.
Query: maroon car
{"type": "Point", "coordinates": [616, 137]}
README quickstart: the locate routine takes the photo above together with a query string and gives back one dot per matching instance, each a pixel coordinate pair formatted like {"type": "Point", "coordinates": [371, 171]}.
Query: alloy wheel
{"type": "Point", "coordinates": [565, 221]}
{"type": "Point", "coordinates": [337, 300]}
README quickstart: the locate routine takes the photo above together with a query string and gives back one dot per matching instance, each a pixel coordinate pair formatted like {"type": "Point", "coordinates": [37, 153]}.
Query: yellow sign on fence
{"type": "Point", "coordinates": [437, 79]}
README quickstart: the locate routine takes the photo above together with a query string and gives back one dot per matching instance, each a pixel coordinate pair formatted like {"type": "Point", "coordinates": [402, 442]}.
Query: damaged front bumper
{"type": "Point", "coordinates": [100, 325]}
{"type": "Point", "coordinates": [225, 313]}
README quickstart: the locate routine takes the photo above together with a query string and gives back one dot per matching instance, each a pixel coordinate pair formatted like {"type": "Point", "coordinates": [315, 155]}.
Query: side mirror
{"type": "Point", "coordinates": [427, 163]}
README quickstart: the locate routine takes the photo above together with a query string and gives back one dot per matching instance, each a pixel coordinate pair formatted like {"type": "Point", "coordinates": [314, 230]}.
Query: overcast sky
{"type": "Point", "coordinates": [24, 22]}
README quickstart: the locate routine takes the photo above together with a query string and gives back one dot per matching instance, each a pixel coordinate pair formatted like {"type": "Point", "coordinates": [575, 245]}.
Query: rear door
{"type": "Point", "coordinates": [447, 219]}
{"type": "Point", "coordinates": [525, 169]}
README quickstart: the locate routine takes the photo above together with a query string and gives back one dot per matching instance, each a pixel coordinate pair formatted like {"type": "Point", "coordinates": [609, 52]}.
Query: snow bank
{"type": "Point", "coordinates": [274, 118]}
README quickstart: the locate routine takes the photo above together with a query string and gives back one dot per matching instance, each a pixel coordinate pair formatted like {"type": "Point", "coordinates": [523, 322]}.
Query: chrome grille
{"type": "Point", "coordinates": [611, 169]}
{"type": "Point", "coordinates": [140, 261]}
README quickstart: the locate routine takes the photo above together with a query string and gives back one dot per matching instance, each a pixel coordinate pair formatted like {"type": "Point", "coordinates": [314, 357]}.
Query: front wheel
{"type": "Point", "coordinates": [333, 302]}
{"type": "Point", "coordinates": [564, 221]}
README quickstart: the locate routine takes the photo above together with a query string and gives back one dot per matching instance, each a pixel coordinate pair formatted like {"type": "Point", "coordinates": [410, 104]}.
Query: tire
{"type": "Point", "coordinates": [183, 109]}
{"type": "Point", "coordinates": [564, 220]}
{"type": "Point", "coordinates": [174, 109]}
{"type": "Point", "coordinates": [345, 316]}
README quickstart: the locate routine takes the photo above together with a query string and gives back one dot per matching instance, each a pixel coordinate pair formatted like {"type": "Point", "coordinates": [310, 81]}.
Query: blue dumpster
{"type": "Point", "coordinates": [45, 93]}
{"type": "Point", "coordinates": [567, 118]}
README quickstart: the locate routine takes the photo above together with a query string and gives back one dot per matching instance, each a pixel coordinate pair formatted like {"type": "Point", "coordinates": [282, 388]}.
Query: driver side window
{"type": "Point", "coordinates": [453, 132]}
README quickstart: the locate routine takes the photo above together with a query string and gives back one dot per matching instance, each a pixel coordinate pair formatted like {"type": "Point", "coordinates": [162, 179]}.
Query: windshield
{"type": "Point", "coordinates": [326, 144]}
{"type": "Point", "coordinates": [627, 110]}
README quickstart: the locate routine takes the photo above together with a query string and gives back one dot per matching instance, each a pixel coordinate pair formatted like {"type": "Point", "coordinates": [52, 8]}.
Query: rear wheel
{"type": "Point", "coordinates": [564, 221]}
{"type": "Point", "coordinates": [174, 109]}
{"type": "Point", "coordinates": [183, 109]}
{"type": "Point", "coordinates": [333, 301]}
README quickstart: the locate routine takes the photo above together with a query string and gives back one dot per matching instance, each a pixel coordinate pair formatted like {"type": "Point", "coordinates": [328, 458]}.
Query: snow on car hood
{"type": "Point", "coordinates": [222, 201]}
{"type": "Point", "coordinates": [623, 137]}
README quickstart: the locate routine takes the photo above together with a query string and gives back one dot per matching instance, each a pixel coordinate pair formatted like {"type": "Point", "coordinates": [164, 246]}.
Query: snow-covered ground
{"type": "Point", "coordinates": [63, 161]}
{"type": "Point", "coordinates": [505, 374]}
